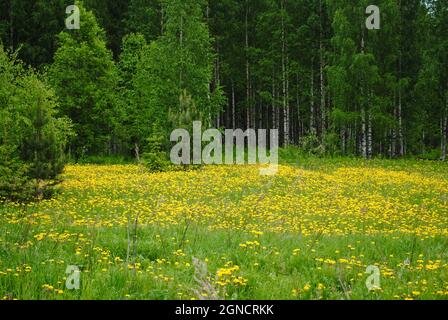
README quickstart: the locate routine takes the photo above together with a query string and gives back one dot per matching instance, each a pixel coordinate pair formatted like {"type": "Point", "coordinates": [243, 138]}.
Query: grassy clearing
{"type": "Point", "coordinates": [307, 233]}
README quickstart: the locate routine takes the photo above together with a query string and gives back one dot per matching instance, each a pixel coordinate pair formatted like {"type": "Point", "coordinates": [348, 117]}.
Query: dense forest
{"type": "Point", "coordinates": [137, 69]}
{"type": "Point", "coordinates": [331, 117]}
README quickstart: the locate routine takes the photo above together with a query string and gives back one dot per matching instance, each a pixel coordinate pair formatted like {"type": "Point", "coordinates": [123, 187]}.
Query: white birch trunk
{"type": "Point", "coordinates": [312, 124]}
{"type": "Point", "coordinates": [363, 133]}
{"type": "Point", "coordinates": [445, 129]}
{"type": "Point", "coordinates": [400, 123]}
{"type": "Point", "coordinates": [247, 67]}
{"type": "Point", "coordinates": [298, 110]}
{"type": "Point", "coordinates": [284, 89]}
{"type": "Point", "coordinates": [233, 106]}
{"type": "Point", "coordinates": [369, 136]}
{"type": "Point", "coordinates": [322, 80]}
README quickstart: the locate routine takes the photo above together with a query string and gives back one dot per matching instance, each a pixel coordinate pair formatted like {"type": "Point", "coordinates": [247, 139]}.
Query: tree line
{"type": "Point", "coordinates": [136, 69]}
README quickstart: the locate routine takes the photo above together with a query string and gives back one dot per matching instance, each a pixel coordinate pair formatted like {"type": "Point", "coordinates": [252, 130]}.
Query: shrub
{"type": "Point", "coordinates": [434, 154]}
{"type": "Point", "coordinates": [312, 146]}
{"type": "Point", "coordinates": [154, 158]}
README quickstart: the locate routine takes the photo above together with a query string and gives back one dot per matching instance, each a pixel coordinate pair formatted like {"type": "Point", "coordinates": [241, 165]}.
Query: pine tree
{"type": "Point", "coordinates": [33, 137]}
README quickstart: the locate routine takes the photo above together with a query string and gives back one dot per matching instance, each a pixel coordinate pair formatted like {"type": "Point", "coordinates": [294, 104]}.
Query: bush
{"type": "Point", "coordinates": [434, 154]}
{"type": "Point", "coordinates": [331, 144]}
{"type": "Point", "coordinates": [311, 145]}
{"type": "Point", "coordinates": [154, 158]}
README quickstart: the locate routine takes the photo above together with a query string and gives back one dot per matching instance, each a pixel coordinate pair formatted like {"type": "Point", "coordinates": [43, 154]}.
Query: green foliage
{"type": "Point", "coordinates": [434, 154]}
{"type": "Point", "coordinates": [364, 92]}
{"type": "Point", "coordinates": [312, 145]}
{"type": "Point", "coordinates": [15, 183]}
{"type": "Point", "coordinates": [155, 158]}
{"type": "Point", "coordinates": [105, 160]}
{"type": "Point", "coordinates": [179, 63]}
{"type": "Point", "coordinates": [331, 141]}
{"type": "Point", "coordinates": [31, 27]}
{"type": "Point", "coordinates": [144, 17]}
{"type": "Point", "coordinates": [33, 138]}
{"type": "Point", "coordinates": [186, 113]}
{"type": "Point", "coordinates": [111, 16]}
{"type": "Point", "coordinates": [136, 118]}
{"type": "Point", "coordinates": [45, 136]}
{"type": "Point", "coordinates": [85, 78]}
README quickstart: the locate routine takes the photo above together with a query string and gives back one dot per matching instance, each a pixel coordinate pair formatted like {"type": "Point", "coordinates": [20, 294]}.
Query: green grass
{"type": "Point", "coordinates": [120, 259]}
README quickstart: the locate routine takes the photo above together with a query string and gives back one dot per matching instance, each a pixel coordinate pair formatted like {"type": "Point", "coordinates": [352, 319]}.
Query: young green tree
{"type": "Point", "coordinates": [136, 123]}
{"type": "Point", "coordinates": [85, 78]}
{"type": "Point", "coordinates": [33, 137]}
{"type": "Point", "coordinates": [181, 60]}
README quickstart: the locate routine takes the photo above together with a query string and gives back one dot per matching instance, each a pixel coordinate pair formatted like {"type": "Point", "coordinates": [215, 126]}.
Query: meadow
{"type": "Point", "coordinates": [225, 232]}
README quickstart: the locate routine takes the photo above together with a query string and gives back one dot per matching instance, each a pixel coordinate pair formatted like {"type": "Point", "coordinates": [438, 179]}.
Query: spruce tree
{"type": "Point", "coordinates": [33, 136]}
